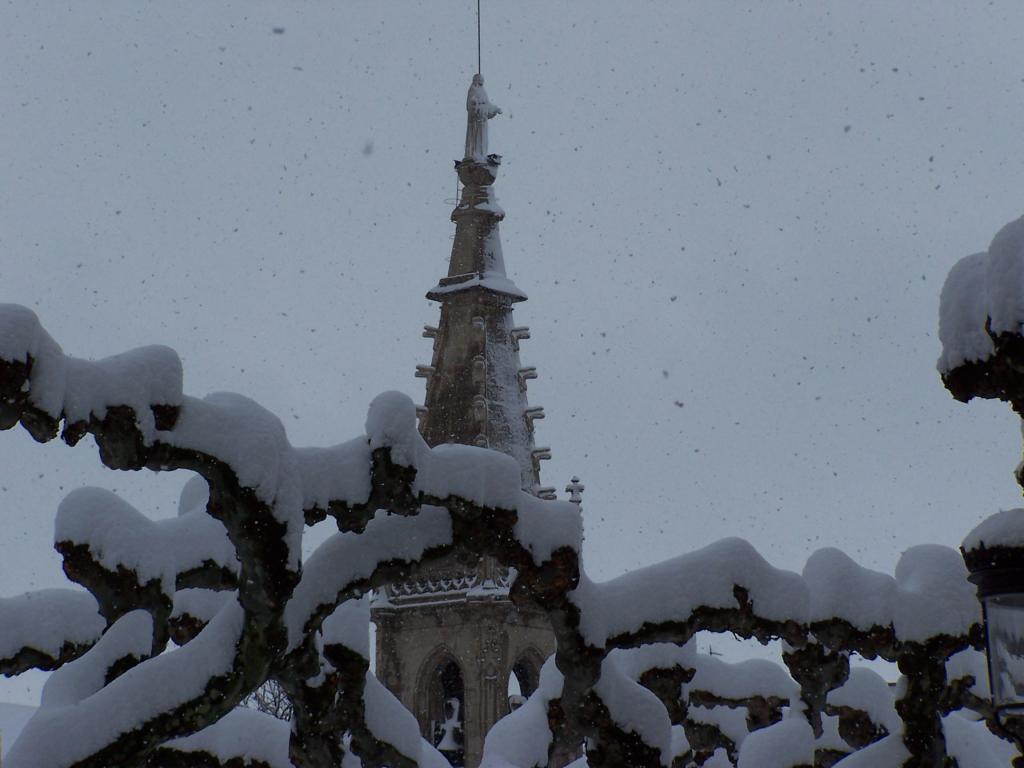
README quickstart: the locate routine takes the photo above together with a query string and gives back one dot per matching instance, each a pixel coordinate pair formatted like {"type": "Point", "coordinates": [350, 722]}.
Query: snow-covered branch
{"type": "Point", "coordinates": [225, 581]}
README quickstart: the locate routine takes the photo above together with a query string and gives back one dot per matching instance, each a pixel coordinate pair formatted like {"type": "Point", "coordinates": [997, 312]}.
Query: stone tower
{"type": "Point", "coordinates": [449, 640]}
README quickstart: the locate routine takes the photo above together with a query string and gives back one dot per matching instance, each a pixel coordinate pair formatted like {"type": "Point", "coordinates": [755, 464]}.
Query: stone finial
{"type": "Point", "coordinates": [575, 490]}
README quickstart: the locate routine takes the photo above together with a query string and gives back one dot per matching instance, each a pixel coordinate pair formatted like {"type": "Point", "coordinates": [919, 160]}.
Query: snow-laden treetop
{"type": "Point", "coordinates": [983, 294]}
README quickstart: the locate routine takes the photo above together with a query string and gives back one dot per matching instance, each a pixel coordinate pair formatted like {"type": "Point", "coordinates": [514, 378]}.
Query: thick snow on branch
{"type": "Point", "coordinates": [80, 389]}
{"type": "Point", "coordinates": [866, 691]}
{"type": "Point", "coordinates": [117, 535]}
{"type": "Point", "coordinates": [393, 724]}
{"type": "Point", "coordinates": [391, 423]}
{"type": "Point", "coordinates": [347, 559]}
{"type": "Point", "coordinates": [241, 735]}
{"type": "Point", "coordinates": [522, 738]}
{"type": "Point", "coordinates": [543, 527]}
{"type": "Point", "coordinates": [130, 637]}
{"type": "Point", "coordinates": [49, 622]}
{"type": "Point", "coordinates": [842, 589]}
{"type": "Point", "coordinates": [338, 473]}
{"type": "Point", "coordinates": [349, 626]}
{"type": "Point", "coordinates": [743, 680]}
{"type": "Point", "coordinates": [885, 753]}
{"type": "Point", "coordinates": [787, 744]}
{"type": "Point", "coordinates": [972, 745]}
{"type": "Point", "coordinates": [148, 691]}
{"type": "Point", "coordinates": [122, 544]}
{"type": "Point", "coordinates": [252, 442]}
{"type": "Point", "coordinates": [399, 505]}
{"type": "Point", "coordinates": [929, 596]}
{"type": "Point", "coordinates": [199, 604]}
{"type": "Point", "coordinates": [673, 590]}
{"type": "Point", "coordinates": [982, 289]}
{"type": "Point", "coordinates": [964, 310]}
{"type": "Point", "coordinates": [632, 707]}
{"type": "Point", "coordinates": [933, 597]}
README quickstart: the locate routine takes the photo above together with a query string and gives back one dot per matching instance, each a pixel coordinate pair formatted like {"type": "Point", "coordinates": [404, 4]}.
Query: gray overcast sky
{"type": "Point", "coordinates": [733, 221]}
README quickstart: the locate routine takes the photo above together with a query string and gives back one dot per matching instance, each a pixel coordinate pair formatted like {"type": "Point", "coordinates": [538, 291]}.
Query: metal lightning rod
{"type": "Point", "coordinates": [478, 54]}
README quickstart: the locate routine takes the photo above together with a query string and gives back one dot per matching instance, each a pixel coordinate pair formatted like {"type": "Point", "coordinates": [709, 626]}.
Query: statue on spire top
{"type": "Point", "coordinates": [480, 111]}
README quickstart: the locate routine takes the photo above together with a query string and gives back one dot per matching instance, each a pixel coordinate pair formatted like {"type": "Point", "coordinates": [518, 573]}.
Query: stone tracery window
{"type": "Point", "coordinates": [446, 709]}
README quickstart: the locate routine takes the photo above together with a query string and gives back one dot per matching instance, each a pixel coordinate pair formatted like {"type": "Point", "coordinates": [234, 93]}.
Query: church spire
{"type": "Point", "coordinates": [449, 636]}
{"type": "Point", "coordinates": [476, 387]}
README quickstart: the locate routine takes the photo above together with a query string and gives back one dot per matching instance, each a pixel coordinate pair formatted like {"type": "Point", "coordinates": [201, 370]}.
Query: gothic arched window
{"type": "Point", "coordinates": [446, 710]}
{"type": "Point", "coordinates": [522, 680]}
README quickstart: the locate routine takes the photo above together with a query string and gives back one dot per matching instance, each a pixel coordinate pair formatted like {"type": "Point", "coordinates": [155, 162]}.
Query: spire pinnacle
{"type": "Point", "coordinates": [476, 385]}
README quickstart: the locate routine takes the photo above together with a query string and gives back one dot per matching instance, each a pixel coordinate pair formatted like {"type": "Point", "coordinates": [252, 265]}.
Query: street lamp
{"type": "Point", "coordinates": [994, 555]}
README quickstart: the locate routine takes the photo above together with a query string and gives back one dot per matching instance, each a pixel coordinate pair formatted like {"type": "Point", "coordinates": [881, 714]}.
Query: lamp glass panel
{"type": "Point", "coordinates": [1004, 615]}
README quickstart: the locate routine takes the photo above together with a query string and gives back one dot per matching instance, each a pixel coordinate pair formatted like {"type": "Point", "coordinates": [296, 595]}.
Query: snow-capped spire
{"type": "Point", "coordinates": [476, 386]}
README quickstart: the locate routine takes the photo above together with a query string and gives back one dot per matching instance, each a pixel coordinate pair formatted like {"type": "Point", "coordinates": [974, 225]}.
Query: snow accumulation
{"type": "Point", "coordinates": [720, 759]}
{"type": "Point", "coordinates": [732, 722]}
{"type": "Point", "coordinates": [544, 526]}
{"type": "Point", "coordinates": [129, 636]}
{"type": "Point", "coordinates": [522, 738]}
{"type": "Point", "coordinates": [983, 287]}
{"type": "Point", "coordinates": [12, 719]}
{"type": "Point", "coordinates": [196, 539]}
{"type": "Point", "coordinates": [142, 693]}
{"type": "Point", "coordinates": [830, 738]}
{"type": "Point", "coordinates": [117, 534]}
{"type": "Point", "coordinates": [884, 753]}
{"type": "Point", "coordinates": [252, 441]}
{"type": "Point", "coordinates": [634, 662]}
{"type": "Point", "coordinates": [676, 587]}
{"type": "Point", "coordinates": [47, 619]}
{"type": "Point", "coordinates": [391, 423]}
{"type": "Point", "coordinates": [680, 744]}
{"type": "Point", "coordinates": [1004, 278]}
{"type": "Point", "coordinates": [633, 707]}
{"type": "Point", "coordinates": [1003, 529]}
{"type": "Point", "coordinates": [969, 663]}
{"type": "Point", "coordinates": [338, 473]}
{"type": "Point", "coordinates": [80, 389]}
{"type": "Point", "coordinates": [345, 558]}
{"type": "Point", "coordinates": [201, 604]}
{"type": "Point", "coordinates": [927, 596]}
{"type": "Point", "coordinates": [788, 743]}
{"type": "Point", "coordinates": [349, 626]}
{"type": "Point", "coordinates": [930, 594]}
{"type": "Point", "coordinates": [971, 743]}
{"type": "Point", "coordinates": [842, 589]}
{"type": "Point", "coordinates": [492, 275]}
{"type": "Point", "coordinates": [242, 734]}
{"type": "Point", "coordinates": [933, 597]}
{"type": "Point", "coordinates": [195, 494]}
{"type": "Point", "coordinates": [963, 312]}
{"type": "Point", "coordinates": [389, 721]}
{"type": "Point", "coordinates": [743, 680]}
{"type": "Point", "coordinates": [490, 281]}
{"type": "Point", "coordinates": [488, 478]}
{"type": "Point", "coordinates": [867, 691]}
